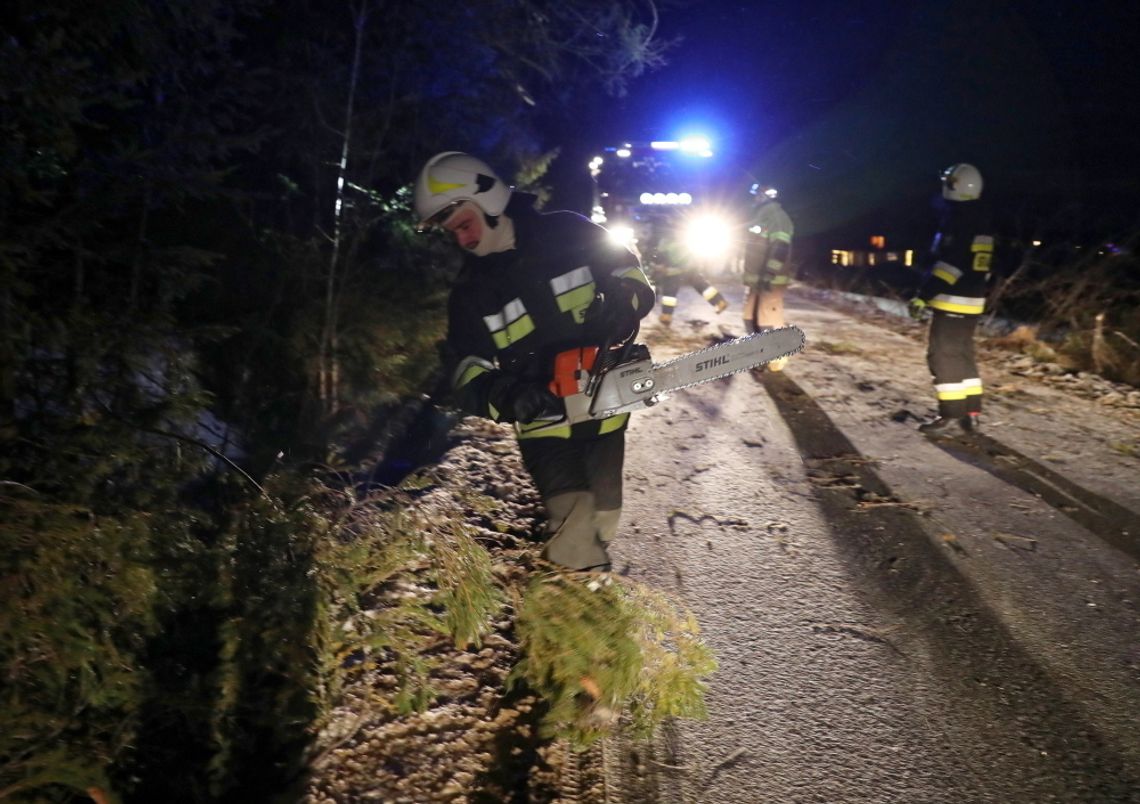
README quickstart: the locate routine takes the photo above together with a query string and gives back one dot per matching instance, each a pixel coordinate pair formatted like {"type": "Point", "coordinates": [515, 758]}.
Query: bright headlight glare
{"type": "Point", "coordinates": [622, 235]}
{"type": "Point", "coordinates": [708, 236]}
{"type": "Point", "coordinates": [666, 199]}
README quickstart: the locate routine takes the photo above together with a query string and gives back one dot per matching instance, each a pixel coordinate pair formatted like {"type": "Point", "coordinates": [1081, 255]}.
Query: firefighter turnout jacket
{"type": "Point", "coordinates": [511, 312]}
{"type": "Point", "coordinates": [954, 286]}
{"type": "Point", "coordinates": [960, 260]}
{"type": "Point", "coordinates": [768, 247]}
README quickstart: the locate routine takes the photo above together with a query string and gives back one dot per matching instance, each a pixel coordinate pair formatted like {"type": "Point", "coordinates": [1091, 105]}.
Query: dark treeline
{"type": "Point", "coordinates": [228, 180]}
{"type": "Point", "coordinates": [209, 284]}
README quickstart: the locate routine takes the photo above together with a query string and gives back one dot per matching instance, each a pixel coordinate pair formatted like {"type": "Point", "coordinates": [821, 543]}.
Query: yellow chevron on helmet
{"type": "Point", "coordinates": [437, 187]}
{"type": "Point", "coordinates": [452, 177]}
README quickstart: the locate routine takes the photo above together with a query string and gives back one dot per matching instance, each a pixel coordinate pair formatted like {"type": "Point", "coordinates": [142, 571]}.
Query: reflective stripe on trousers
{"type": "Point", "coordinates": [950, 356]}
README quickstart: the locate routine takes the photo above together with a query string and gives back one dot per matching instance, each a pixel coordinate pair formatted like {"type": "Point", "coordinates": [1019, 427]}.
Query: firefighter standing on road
{"type": "Point", "coordinates": [767, 265]}
{"type": "Point", "coordinates": [533, 285]}
{"type": "Point", "coordinates": [954, 288]}
{"type": "Point", "coordinates": [670, 268]}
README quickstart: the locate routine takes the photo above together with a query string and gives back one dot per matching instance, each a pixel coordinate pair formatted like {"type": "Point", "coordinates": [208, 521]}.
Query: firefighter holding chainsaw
{"type": "Point", "coordinates": [536, 289]}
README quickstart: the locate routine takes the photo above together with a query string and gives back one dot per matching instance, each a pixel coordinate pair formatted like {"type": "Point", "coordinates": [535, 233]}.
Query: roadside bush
{"type": "Point", "coordinates": [78, 606]}
{"type": "Point", "coordinates": [1087, 308]}
{"type": "Point", "coordinates": [161, 658]}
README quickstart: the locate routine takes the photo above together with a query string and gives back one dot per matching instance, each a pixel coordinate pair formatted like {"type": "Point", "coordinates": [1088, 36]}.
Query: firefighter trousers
{"type": "Point", "coordinates": [950, 356]}
{"type": "Point", "coordinates": [670, 287]}
{"type": "Point", "coordinates": [580, 482]}
{"type": "Point", "coordinates": [764, 308]}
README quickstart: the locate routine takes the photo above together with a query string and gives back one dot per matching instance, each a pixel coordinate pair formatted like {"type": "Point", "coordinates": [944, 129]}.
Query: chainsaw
{"type": "Point", "coordinates": [595, 382]}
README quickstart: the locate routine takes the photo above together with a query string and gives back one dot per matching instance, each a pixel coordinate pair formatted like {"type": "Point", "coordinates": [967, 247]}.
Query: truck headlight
{"type": "Point", "coordinates": [708, 236]}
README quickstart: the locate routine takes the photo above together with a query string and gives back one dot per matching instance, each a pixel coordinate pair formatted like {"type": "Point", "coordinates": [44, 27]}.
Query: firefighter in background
{"type": "Point", "coordinates": [767, 265]}
{"type": "Point", "coordinates": [954, 289]}
{"type": "Point", "coordinates": [670, 267]}
{"type": "Point", "coordinates": [534, 285]}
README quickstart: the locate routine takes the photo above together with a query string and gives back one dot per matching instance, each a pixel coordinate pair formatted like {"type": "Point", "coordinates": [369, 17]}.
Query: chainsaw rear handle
{"type": "Point", "coordinates": [593, 382]}
{"type": "Point", "coordinates": [611, 356]}
{"type": "Point", "coordinates": [572, 371]}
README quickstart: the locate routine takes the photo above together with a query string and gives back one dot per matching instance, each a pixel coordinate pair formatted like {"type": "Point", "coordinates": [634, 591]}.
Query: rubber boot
{"type": "Point", "coordinates": [947, 426]}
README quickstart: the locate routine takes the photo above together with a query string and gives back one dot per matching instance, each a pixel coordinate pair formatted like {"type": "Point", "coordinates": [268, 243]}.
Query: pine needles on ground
{"type": "Point", "coordinates": [595, 646]}
{"type": "Point", "coordinates": [268, 617]}
{"type": "Point", "coordinates": [395, 584]}
{"type": "Point", "coordinates": [467, 590]}
{"type": "Point", "coordinates": [676, 660]}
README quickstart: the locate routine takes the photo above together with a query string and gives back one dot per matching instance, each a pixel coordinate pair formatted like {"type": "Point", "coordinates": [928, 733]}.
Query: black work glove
{"type": "Point", "coordinates": [615, 319]}
{"type": "Point", "coordinates": [528, 401]}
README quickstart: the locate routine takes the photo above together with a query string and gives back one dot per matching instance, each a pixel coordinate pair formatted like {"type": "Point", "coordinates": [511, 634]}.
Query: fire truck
{"type": "Point", "coordinates": [650, 193]}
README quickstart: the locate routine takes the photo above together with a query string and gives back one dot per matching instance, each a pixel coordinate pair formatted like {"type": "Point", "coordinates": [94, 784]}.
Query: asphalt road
{"type": "Point", "coordinates": [896, 619]}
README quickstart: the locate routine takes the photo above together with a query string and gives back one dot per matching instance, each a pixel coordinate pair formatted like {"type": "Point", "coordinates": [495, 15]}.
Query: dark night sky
{"type": "Point", "coordinates": [853, 108]}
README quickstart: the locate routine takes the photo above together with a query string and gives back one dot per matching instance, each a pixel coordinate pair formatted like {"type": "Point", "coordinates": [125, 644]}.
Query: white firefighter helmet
{"type": "Point", "coordinates": [452, 177]}
{"type": "Point", "coordinates": [961, 182]}
{"type": "Point", "coordinates": [763, 192]}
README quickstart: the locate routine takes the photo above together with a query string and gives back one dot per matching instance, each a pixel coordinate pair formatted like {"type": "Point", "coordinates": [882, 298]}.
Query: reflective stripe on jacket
{"type": "Point", "coordinates": [511, 312]}
{"type": "Point", "coordinates": [768, 246]}
{"type": "Point", "coordinates": [960, 260]}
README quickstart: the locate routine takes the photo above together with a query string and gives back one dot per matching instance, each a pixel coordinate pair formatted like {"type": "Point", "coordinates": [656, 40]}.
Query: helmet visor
{"type": "Point", "coordinates": [437, 220]}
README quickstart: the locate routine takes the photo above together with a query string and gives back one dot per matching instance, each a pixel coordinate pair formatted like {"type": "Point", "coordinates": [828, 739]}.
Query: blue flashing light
{"type": "Point", "coordinates": [697, 145]}
{"type": "Point", "coordinates": [692, 146]}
